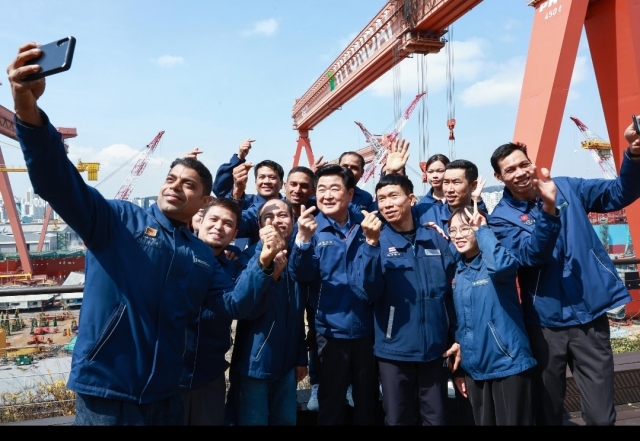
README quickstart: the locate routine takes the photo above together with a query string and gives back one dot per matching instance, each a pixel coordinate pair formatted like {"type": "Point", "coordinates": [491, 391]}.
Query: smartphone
{"type": "Point", "coordinates": [636, 124]}
{"type": "Point", "coordinates": [56, 57]}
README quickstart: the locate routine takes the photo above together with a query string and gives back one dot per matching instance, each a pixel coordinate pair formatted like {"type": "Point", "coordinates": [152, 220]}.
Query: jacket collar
{"type": "Point", "coordinates": [398, 240]}
{"type": "Point", "coordinates": [475, 263]}
{"type": "Point", "coordinates": [519, 205]}
{"type": "Point", "coordinates": [167, 224]}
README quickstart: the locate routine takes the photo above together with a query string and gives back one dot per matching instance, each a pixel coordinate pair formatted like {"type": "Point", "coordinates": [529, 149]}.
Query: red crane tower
{"type": "Point", "coordinates": [125, 190]}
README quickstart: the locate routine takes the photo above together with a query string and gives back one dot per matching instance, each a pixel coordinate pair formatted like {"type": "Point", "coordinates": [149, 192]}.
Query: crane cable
{"type": "Point", "coordinates": [423, 117]}
{"type": "Point", "coordinates": [451, 86]}
{"type": "Point", "coordinates": [120, 168]}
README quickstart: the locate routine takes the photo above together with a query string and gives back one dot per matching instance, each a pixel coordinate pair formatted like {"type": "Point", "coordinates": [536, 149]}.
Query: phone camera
{"type": "Point", "coordinates": [62, 42]}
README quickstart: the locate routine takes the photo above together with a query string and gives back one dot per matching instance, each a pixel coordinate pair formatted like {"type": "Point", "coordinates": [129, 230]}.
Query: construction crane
{"type": "Point", "coordinates": [381, 149]}
{"type": "Point", "coordinates": [90, 167]}
{"type": "Point", "coordinates": [599, 149]}
{"type": "Point", "coordinates": [400, 29]}
{"type": "Point", "coordinates": [124, 193]}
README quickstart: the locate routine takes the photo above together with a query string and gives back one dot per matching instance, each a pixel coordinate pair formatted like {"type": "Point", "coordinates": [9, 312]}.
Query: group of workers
{"type": "Point", "coordinates": [397, 293]}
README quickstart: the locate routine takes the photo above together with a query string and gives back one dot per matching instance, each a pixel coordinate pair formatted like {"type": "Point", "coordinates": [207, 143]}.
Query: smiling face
{"type": "Point", "coordinates": [280, 214]}
{"type": "Point", "coordinates": [456, 188]}
{"type": "Point", "coordinates": [299, 188]}
{"type": "Point", "coordinates": [435, 173]}
{"type": "Point", "coordinates": [182, 194]}
{"type": "Point", "coordinates": [268, 183]}
{"type": "Point", "coordinates": [333, 197]}
{"type": "Point", "coordinates": [463, 237]}
{"type": "Point", "coordinates": [395, 205]}
{"type": "Point", "coordinates": [218, 228]}
{"type": "Point", "coordinates": [516, 172]}
{"type": "Point", "coordinates": [353, 163]}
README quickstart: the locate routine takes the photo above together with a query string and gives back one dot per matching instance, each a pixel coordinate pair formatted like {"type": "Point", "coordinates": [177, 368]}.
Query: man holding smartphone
{"type": "Point", "coordinates": [147, 275]}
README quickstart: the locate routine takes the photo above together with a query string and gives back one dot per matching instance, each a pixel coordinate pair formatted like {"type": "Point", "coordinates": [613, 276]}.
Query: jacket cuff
{"type": "Point", "coordinates": [370, 250]}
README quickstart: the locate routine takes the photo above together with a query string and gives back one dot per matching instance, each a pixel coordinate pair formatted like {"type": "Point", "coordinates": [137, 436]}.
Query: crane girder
{"type": "Point", "coordinates": [371, 53]}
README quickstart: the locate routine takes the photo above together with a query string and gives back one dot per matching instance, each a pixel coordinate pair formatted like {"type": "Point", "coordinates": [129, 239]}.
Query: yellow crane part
{"type": "Point", "coordinates": [90, 167]}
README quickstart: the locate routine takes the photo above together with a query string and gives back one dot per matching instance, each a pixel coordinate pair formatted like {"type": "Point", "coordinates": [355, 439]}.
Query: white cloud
{"type": "Point", "coordinates": [264, 27]}
{"type": "Point", "coordinates": [468, 58]}
{"type": "Point", "coordinates": [503, 86]}
{"type": "Point", "coordinates": [168, 61]}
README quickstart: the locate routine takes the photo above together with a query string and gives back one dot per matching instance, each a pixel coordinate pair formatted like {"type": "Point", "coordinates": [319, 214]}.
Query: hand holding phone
{"type": "Point", "coordinates": [636, 124]}
{"type": "Point", "coordinates": [56, 57]}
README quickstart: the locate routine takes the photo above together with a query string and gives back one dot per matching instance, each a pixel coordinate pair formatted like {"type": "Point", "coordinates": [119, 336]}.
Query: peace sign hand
{"type": "Point", "coordinates": [307, 224]}
{"type": "Point", "coordinates": [476, 220]}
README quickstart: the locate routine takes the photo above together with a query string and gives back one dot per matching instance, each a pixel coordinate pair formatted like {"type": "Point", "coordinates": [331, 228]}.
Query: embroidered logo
{"type": "Point", "coordinates": [151, 232]}
{"type": "Point", "coordinates": [527, 220]}
{"type": "Point", "coordinates": [325, 243]}
{"type": "Point", "coordinates": [200, 262]}
{"type": "Point", "coordinates": [392, 252]}
{"type": "Point", "coordinates": [429, 252]}
{"type": "Point", "coordinates": [481, 282]}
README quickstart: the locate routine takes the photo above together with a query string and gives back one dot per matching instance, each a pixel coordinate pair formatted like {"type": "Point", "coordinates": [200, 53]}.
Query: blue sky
{"type": "Point", "coordinates": [212, 74]}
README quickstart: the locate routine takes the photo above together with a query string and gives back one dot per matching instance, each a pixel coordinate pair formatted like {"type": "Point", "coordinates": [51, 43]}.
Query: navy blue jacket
{"type": "Point", "coordinates": [208, 338]}
{"type": "Point", "coordinates": [410, 285]}
{"type": "Point", "coordinates": [491, 331]}
{"type": "Point", "coordinates": [146, 277]}
{"type": "Point", "coordinates": [270, 341]}
{"type": "Point", "coordinates": [336, 294]}
{"type": "Point", "coordinates": [579, 283]}
{"type": "Point", "coordinates": [223, 184]}
{"type": "Point", "coordinates": [362, 199]}
{"type": "Point", "coordinates": [429, 199]}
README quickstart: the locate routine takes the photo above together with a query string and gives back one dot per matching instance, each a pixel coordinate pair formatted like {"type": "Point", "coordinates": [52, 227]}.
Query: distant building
{"type": "Point", "coordinates": [491, 196]}
{"type": "Point", "coordinates": [145, 202]}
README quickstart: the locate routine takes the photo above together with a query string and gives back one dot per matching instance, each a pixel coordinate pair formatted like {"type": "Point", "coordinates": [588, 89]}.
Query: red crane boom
{"type": "Point", "coordinates": [125, 190]}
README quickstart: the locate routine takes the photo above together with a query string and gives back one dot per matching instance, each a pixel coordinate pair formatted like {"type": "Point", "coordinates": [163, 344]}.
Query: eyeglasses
{"type": "Point", "coordinates": [464, 231]}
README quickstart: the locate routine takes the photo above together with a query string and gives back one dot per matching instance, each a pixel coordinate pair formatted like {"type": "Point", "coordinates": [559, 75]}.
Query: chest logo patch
{"type": "Point", "coordinates": [481, 282]}
{"type": "Point", "coordinates": [527, 220]}
{"type": "Point", "coordinates": [325, 243]}
{"type": "Point", "coordinates": [151, 232]}
{"type": "Point", "coordinates": [432, 252]}
{"type": "Point", "coordinates": [200, 262]}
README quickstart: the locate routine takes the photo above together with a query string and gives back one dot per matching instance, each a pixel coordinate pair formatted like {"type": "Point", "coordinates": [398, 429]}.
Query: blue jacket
{"type": "Point", "coordinates": [362, 199]}
{"type": "Point", "coordinates": [429, 199]}
{"type": "Point", "coordinates": [146, 277]}
{"type": "Point", "coordinates": [223, 184]}
{"type": "Point", "coordinates": [410, 285]}
{"type": "Point", "coordinates": [579, 283]}
{"type": "Point", "coordinates": [208, 338]}
{"type": "Point", "coordinates": [491, 332]}
{"type": "Point", "coordinates": [270, 341]}
{"type": "Point", "coordinates": [336, 294]}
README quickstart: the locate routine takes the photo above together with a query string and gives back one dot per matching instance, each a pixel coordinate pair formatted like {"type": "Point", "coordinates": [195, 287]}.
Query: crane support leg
{"type": "Point", "coordinates": [14, 219]}
{"type": "Point", "coordinates": [614, 42]}
{"type": "Point", "coordinates": [303, 141]}
{"type": "Point", "coordinates": [45, 227]}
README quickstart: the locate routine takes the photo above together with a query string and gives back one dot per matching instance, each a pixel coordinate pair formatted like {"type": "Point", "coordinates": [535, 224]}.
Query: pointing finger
{"type": "Point", "coordinates": [250, 140]}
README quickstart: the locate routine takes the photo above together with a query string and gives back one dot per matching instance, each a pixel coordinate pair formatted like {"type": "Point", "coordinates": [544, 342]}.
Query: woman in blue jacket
{"type": "Point", "coordinates": [496, 357]}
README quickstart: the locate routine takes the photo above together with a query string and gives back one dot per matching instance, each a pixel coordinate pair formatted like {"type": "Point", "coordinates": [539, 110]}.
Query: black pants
{"type": "Point", "coordinates": [503, 401]}
{"type": "Point", "coordinates": [408, 386]}
{"type": "Point", "coordinates": [205, 406]}
{"type": "Point", "coordinates": [342, 360]}
{"type": "Point", "coordinates": [587, 351]}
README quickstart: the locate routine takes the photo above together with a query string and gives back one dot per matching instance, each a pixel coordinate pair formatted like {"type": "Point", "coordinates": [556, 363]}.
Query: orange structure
{"type": "Point", "coordinates": [401, 28]}
{"type": "Point", "coordinates": [7, 128]}
{"type": "Point", "coordinates": [613, 32]}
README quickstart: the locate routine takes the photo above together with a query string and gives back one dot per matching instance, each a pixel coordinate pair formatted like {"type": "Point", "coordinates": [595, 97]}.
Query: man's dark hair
{"type": "Point", "coordinates": [470, 169]}
{"type": "Point", "coordinates": [228, 204]}
{"type": "Point", "coordinates": [200, 168]}
{"type": "Point", "coordinates": [345, 174]}
{"type": "Point", "coordinates": [360, 158]}
{"type": "Point", "coordinates": [403, 181]}
{"type": "Point", "coordinates": [270, 164]}
{"type": "Point", "coordinates": [305, 170]}
{"type": "Point", "coordinates": [502, 152]}
{"type": "Point", "coordinates": [289, 208]}
{"type": "Point", "coordinates": [438, 157]}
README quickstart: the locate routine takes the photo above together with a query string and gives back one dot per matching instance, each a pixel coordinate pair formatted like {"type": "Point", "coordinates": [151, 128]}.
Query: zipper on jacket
{"type": "Point", "coordinates": [498, 341]}
{"type": "Point", "coordinates": [535, 293]}
{"type": "Point", "coordinates": [110, 327]}
{"type": "Point", "coordinates": [603, 265]}
{"type": "Point", "coordinates": [265, 341]}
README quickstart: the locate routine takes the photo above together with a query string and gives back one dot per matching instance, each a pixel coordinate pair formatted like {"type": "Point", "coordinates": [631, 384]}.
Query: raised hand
{"type": "Point", "coordinates": [476, 194]}
{"type": "Point", "coordinates": [437, 228]}
{"type": "Point", "coordinates": [193, 153]}
{"type": "Point", "coordinates": [280, 263]}
{"type": "Point", "coordinates": [26, 93]}
{"type": "Point", "coordinates": [397, 157]}
{"type": "Point", "coordinates": [318, 164]}
{"type": "Point", "coordinates": [546, 189]}
{"type": "Point", "coordinates": [476, 220]}
{"type": "Point", "coordinates": [240, 177]}
{"type": "Point", "coordinates": [244, 147]}
{"type": "Point", "coordinates": [371, 227]}
{"type": "Point", "coordinates": [306, 224]}
{"type": "Point", "coordinates": [272, 243]}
